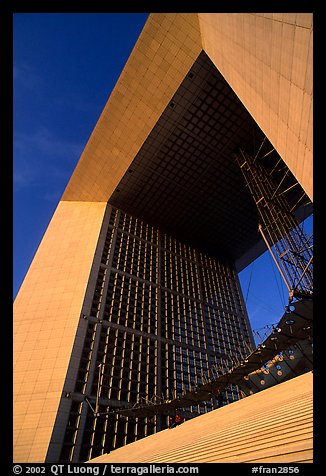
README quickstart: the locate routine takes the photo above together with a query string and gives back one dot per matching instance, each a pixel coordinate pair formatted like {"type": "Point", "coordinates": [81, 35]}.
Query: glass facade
{"type": "Point", "coordinates": [162, 315]}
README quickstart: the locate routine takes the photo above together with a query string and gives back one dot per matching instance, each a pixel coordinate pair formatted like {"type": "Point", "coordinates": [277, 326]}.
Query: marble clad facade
{"type": "Point", "coordinates": [266, 59]}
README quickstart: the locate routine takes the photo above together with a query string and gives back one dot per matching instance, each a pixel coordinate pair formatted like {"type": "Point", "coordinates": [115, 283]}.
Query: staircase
{"type": "Point", "coordinates": [271, 426]}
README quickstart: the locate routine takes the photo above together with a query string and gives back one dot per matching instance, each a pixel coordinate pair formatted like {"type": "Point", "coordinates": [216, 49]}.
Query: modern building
{"type": "Point", "coordinates": [134, 293]}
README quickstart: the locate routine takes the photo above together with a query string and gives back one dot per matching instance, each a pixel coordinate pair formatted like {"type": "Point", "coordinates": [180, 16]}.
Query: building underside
{"type": "Point", "coordinates": [185, 178]}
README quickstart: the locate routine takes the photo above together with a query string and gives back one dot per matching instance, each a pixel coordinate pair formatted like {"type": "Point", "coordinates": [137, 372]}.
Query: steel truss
{"type": "Point", "coordinates": [290, 247]}
{"type": "Point", "coordinates": [292, 251]}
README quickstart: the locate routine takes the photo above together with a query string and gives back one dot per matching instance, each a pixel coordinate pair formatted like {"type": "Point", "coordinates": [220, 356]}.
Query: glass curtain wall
{"type": "Point", "coordinates": [163, 315]}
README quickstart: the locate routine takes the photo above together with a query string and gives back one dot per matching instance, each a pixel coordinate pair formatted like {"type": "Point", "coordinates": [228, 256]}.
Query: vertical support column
{"type": "Point", "coordinates": [86, 310]}
{"type": "Point", "coordinates": [202, 300]}
{"type": "Point", "coordinates": [159, 333]}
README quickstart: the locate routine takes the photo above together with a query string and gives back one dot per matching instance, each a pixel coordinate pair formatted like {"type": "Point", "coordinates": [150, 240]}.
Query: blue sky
{"type": "Point", "coordinates": [65, 67]}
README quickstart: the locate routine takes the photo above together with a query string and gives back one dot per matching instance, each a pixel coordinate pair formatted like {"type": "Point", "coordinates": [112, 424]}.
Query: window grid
{"type": "Point", "coordinates": [150, 274]}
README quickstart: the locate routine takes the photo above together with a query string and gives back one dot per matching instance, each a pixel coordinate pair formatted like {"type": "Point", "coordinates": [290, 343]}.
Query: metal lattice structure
{"type": "Point", "coordinates": [291, 248]}
{"type": "Point", "coordinates": [285, 353]}
{"type": "Point", "coordinates": [287, 349]}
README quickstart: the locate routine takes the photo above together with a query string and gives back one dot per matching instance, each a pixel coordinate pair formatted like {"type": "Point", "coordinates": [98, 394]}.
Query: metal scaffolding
{"type": "Point", "coordinates": [294, 330]}
{"type": "Point", "coordinates": [292, 251]}
{"type": "Point", "coordinates": [290, 247]}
